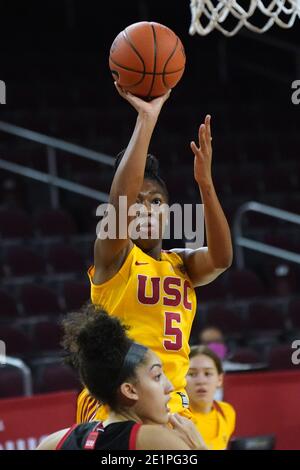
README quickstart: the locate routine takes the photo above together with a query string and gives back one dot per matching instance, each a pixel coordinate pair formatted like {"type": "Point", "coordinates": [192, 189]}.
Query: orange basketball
{"type": "Point", "coordinates": [147, 59]}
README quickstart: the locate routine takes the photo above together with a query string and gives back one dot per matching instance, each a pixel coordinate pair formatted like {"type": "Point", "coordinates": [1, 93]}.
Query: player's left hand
{"type": "Point", "coordinates": [188, 432]}
{"type": "Point", "coordinates": [203, 153]}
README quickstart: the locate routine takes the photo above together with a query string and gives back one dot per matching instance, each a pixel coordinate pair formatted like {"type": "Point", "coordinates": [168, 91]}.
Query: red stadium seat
{"type": "Point", "coordinates": [214, 291]}
{"type": "Point", "coordinates": [39, 300]}
{"type": "Point", "coordinates": [280, 357]}
{"type": "Point", "coordinates": [76, 294]}
{"type": "Point", "coordinates": [8, 307]}
{"type": "Point", "coordinates": [65, 259]}
{"type": "Point", "coordinates": [245, 356]}
{"type": "Point", "coordinates": [24, 262]}
{"type": "Point", "coordinates": [281, 277]}
{"type": "Point", "coordinates": [17, 343]}
{"type": "Point", "coordinates": [15, 224]}
{"type": "Point", "coordinates": [264, 318]}
{"type": "Point", "coordinates": [11, 382]}
{"type": "Point", "coordinates": [229, 322]}
{"type": "Point", "coordinates": [56, 377]}
{"type": "Point", "coordinates": [55, 223]}
{"type": "Point", "coordinates": [294, 312]}
{"type": "Point", "coordinates": [47, 336]}
{"type": "Point", "coordinates": [244, 283]}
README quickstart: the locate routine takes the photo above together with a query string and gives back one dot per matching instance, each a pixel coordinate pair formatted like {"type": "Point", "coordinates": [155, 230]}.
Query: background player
{"type": "Point", "coordinates": [129, 378]}
{"type": "Point", "coordinates": [214, 419]}
{"type": "Point", "coordinates": [153, 290]}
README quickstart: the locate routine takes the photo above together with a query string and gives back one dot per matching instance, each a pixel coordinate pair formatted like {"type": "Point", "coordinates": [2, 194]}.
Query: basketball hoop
{"type": "Point", "coordinates": [211, 14]}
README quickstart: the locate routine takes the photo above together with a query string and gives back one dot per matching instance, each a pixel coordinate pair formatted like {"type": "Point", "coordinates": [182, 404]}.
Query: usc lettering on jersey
{"type": "Point", "coordinates": [157, 300]}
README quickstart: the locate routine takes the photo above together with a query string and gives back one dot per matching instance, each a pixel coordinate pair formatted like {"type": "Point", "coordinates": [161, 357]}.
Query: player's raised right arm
{"type": "Point", "coordinates": [127, 181]}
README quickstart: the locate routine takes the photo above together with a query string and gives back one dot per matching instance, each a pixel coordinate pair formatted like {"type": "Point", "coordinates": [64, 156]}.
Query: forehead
{"type": "Point", "coordinates": [201, 361]}
{"type": "Point", "coordinates": [209, 333]}
{"type": "Point", "coordinates": [150, 187]}
{"type": "Point", "coordinates": [151, 359]}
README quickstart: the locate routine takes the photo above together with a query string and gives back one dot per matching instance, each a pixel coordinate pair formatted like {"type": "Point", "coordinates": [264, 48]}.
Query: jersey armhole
{"type": "Point", "coordinates": [65, 437]}
{"type": "Point", "coordinates": [133, 435]}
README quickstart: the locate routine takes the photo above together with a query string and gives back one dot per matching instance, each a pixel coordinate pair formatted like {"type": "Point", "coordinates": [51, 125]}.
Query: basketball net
{"type": "Point", "coordinates": [213, 13]}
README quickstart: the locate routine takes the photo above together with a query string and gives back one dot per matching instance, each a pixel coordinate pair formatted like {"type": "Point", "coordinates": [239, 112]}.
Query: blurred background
{"type": "Point", "coordinates": [54, 61]}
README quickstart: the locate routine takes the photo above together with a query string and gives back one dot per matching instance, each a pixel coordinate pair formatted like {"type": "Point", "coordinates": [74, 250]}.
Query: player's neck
{"type": "Point", "coordinates": [155, 252]}
{"type": "Point", "coordinates": [124, 415]}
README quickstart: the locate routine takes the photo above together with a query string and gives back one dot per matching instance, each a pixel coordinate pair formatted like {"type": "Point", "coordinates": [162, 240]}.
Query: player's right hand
{"type": "Point", "coordinates": [147, 108]}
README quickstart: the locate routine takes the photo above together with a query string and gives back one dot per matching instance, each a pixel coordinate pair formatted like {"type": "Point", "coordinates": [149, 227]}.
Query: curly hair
{"type": "Point", "coordinates": [151, 170]}
{"type": "Point", "coordinates": [96, 344]}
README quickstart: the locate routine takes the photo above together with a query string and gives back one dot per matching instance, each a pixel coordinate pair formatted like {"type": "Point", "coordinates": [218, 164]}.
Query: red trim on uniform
{"type": "Point", "coordinates": [133, 434]}
{"type": "Point", "coordinates": [65, 436]}
{"type": "Point", "coordinates": [91, 440]}
{"type": "Point", "coordinates": [219, 409]}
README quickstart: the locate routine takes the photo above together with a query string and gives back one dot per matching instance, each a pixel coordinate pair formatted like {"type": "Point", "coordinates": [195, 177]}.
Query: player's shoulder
{"type": "Point", "coordinates": [227, 409]}
{"type": "Point", "coordinates": [175, 255]}
{"type": "Point", "coordinates": [158, 437]}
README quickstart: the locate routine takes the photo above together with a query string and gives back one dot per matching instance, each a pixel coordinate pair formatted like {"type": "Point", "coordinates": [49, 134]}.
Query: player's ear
{"type": "Point", "coordinates": [220, 381]}
{"type": "Point", "coordinates": [128, 395]}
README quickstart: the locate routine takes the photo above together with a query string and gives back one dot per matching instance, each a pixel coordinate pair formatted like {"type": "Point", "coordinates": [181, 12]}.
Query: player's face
{"type": "Point", "coordinates": [203, 379]}
{"type": "Point", "coordinates": [153, 390]}
{"type": "Point", "coordinates": [150, 223]}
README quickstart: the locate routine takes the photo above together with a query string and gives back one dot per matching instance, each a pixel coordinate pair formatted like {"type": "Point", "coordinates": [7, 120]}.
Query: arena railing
{"type": "Point", "coordinates": [23, 368]}
{"type": "Point", "coordinates": [52, 144]}
{"type": "Point", "coordinates": [242, 242]}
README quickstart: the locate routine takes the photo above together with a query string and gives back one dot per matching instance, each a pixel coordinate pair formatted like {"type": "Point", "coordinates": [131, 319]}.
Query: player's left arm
{"type": "Point", "coordinates": [205, 264]}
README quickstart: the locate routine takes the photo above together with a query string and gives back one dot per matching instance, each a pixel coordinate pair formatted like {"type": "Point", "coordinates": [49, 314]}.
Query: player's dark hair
{"type": "Point", "coordinates": [151, 170]}
{"type": "Point", "coordinates": [199, 350]}
{"type": "Point", "coordinates": [97, 345]}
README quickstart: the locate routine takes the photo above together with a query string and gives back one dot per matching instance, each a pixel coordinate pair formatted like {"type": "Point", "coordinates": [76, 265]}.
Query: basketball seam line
{"type": "Point", "coordinates": [134, 48]}
{"type": "Point", "coordinates": [171, 55]}
{"type": "Point", "coordinates": [145, 73]}
{"type": "Point", "coordinates": [154, 65]}
{"type": "Point", "coordinates": [126, 37]}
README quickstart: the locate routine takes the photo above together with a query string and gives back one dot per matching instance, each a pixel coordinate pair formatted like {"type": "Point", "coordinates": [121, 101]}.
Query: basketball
{"type": "Point", "coordinates": [147, 59]}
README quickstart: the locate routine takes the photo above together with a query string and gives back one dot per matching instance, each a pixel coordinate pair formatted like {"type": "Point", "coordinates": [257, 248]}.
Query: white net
{"type": "Point", "coordinates": [208, 15]}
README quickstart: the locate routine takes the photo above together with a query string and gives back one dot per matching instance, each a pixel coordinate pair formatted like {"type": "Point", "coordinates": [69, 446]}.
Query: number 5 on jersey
{"type": "Point", "coordinates": [172, 323]}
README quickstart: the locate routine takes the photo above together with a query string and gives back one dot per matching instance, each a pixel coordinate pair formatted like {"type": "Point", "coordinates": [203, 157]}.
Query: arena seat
{"type": "Point", "coordinates": [56, 377]}
{"type": "Point", "coordinates": [264, 318]}
{"type": "Point", "coordinates": [213, 291]}
{"type": "Point", "coordinates": [46, 337]}
{"type": "Point", "coordinates": [244, 283]}
{"type": "Point", "coordinates": [294, 312]}
{"type": "Point", "coordinates": [8, 307]}
{"type": "Point", "coordinates": [245, 356]}
{"type": "Point", "coordinates": [51, 223]}
{"type": "Point", "coordinates": [17, 343]}
{"type": "Point", "coordinates": [11, 382]}
{"type": "Point", "coordinates": [64, 259]}
{"type": "Point", "coordinates": [227, 320]}
{"type": "Point", "coordinates": [76, 294]}
{"type": "Point", "coordinates": [39, 300]}
{"type": "Point", "coordinates": [15, 224]}
{"type": "Point", "coordinates": [22, 262]}
{"type": "Point", "coordinates": [280, 357]}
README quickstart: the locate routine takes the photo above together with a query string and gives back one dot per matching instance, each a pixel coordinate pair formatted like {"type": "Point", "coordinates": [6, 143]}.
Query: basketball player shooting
{"type": "Point", "coordinates": [151, 290]}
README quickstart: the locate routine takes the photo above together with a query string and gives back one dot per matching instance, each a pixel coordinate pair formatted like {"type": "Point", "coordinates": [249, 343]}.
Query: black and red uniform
{"type": "Point", "coordinates": [93, 436]}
